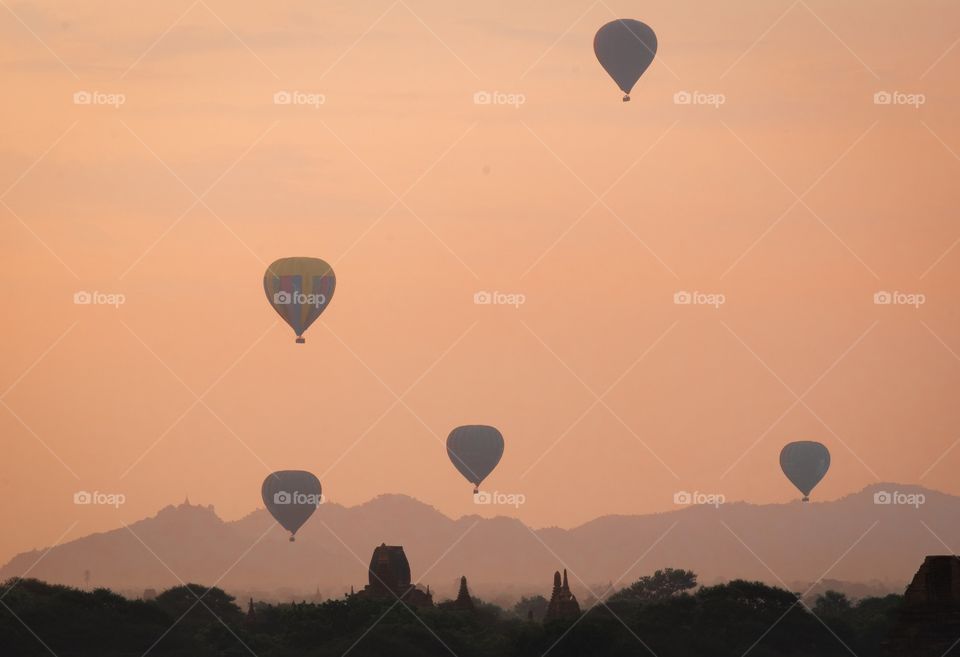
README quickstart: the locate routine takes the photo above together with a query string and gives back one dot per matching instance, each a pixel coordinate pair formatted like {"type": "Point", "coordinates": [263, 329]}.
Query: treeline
{"type": "Point", "coordinates": [664, 614]}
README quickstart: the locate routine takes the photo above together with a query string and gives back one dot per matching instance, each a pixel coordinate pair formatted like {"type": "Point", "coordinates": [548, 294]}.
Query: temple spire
{"type": "Point", "coordinates": [563, 604]}
{"type": "Point", "coordinates": [463, 601]}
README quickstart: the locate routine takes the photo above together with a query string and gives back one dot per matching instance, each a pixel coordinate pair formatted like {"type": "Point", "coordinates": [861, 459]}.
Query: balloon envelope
{"type": "Point", "coordinates": [291, 497]}
{"type": "Point", "coordinates": [299, 289]}
{"type": "Point", "coordinates": [625, 49]}
{"type": "Point", "coordinates": [805, 463]}
{"type": "Point", "coordinates": [475, 451]}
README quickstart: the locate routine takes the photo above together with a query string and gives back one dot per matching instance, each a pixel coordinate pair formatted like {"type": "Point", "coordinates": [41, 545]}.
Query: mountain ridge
{"type": "Point", "coordinates": [847, 539]}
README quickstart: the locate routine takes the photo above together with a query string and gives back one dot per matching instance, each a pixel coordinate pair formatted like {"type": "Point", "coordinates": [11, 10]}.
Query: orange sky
{"type": "Point", "coordinates": [796, 199]}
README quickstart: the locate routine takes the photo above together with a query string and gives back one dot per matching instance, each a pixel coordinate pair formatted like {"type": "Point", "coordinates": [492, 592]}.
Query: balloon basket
{"type": "Point", "coordinates": [476, 491]}
{"type": "Point", "coordinates": [806, 499]}
{"type": "Point", "coordinates": [292, 539]}
{"type": "Point", "coordinates": [300, 340]}
{"type": "Point", "coordinates": [626, 98]}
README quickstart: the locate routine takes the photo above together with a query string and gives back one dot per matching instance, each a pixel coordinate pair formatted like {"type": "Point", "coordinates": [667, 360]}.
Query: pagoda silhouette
{"type": "Point", "coordinates": [563, 604]}
{"type": "Point", "coordinates": [389, 578]}
{"type": "Point", "coordinates": [463, 602]}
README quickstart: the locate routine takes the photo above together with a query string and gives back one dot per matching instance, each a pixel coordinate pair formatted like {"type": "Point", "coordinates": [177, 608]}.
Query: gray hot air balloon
{"type": "Point", "coordinates": [475, 451]}
{"type": "Point", "coordinates": [625, 49]}
{"type": "Point", "coordinates": [291, 497]}
{"type": "Point", "coordinates": [805, 463]}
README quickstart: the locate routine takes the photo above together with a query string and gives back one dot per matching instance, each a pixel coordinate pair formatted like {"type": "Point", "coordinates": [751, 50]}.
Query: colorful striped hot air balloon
{"type": "Point", "coordinates": [299, 289]}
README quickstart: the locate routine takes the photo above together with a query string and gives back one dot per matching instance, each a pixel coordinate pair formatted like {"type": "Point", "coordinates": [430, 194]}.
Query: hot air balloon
{"type": "Point", "coordinates": [625, 49]}
{"type": "Point", "coordinates": [805, 463]}
{"type": "Point", "coordinates": [291, 497]}
{"type": "Point", "coordinates": [475, 451]}
{"type": "Point", "coordinates": [299, 289]}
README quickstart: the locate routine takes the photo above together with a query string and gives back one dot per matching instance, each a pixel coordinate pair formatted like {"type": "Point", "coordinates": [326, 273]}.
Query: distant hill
{"type": "Point", "coordinates": [502, 558]}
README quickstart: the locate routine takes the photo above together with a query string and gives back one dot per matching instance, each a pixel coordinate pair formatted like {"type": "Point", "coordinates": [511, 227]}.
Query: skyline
{"type": "Point", "coordinates": [798, 198]}
{"type": "Point", "coordinates": [869, 539]}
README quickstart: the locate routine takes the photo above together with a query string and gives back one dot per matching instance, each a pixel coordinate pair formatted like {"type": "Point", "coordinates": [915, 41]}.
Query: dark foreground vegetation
{"type": "Point", "coordinates": [663, 615]}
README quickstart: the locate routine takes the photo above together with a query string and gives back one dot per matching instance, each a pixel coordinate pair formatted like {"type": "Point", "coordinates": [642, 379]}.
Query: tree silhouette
{"type": "Point", "coordinates": [535, 606]}
{"type": "Point", "coordinates": [832, 605]}
{"type": "Point", "coordinates": [726, 620]}
{"type": "Point", "coordinates": [663, 584]}
{"type": "Point", "coordinates": [198, 604]}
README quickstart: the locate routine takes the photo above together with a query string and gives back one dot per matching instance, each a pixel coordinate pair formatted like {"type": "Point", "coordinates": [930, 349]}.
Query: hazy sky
{"type": "Point", "coordinates": [794, 196]}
